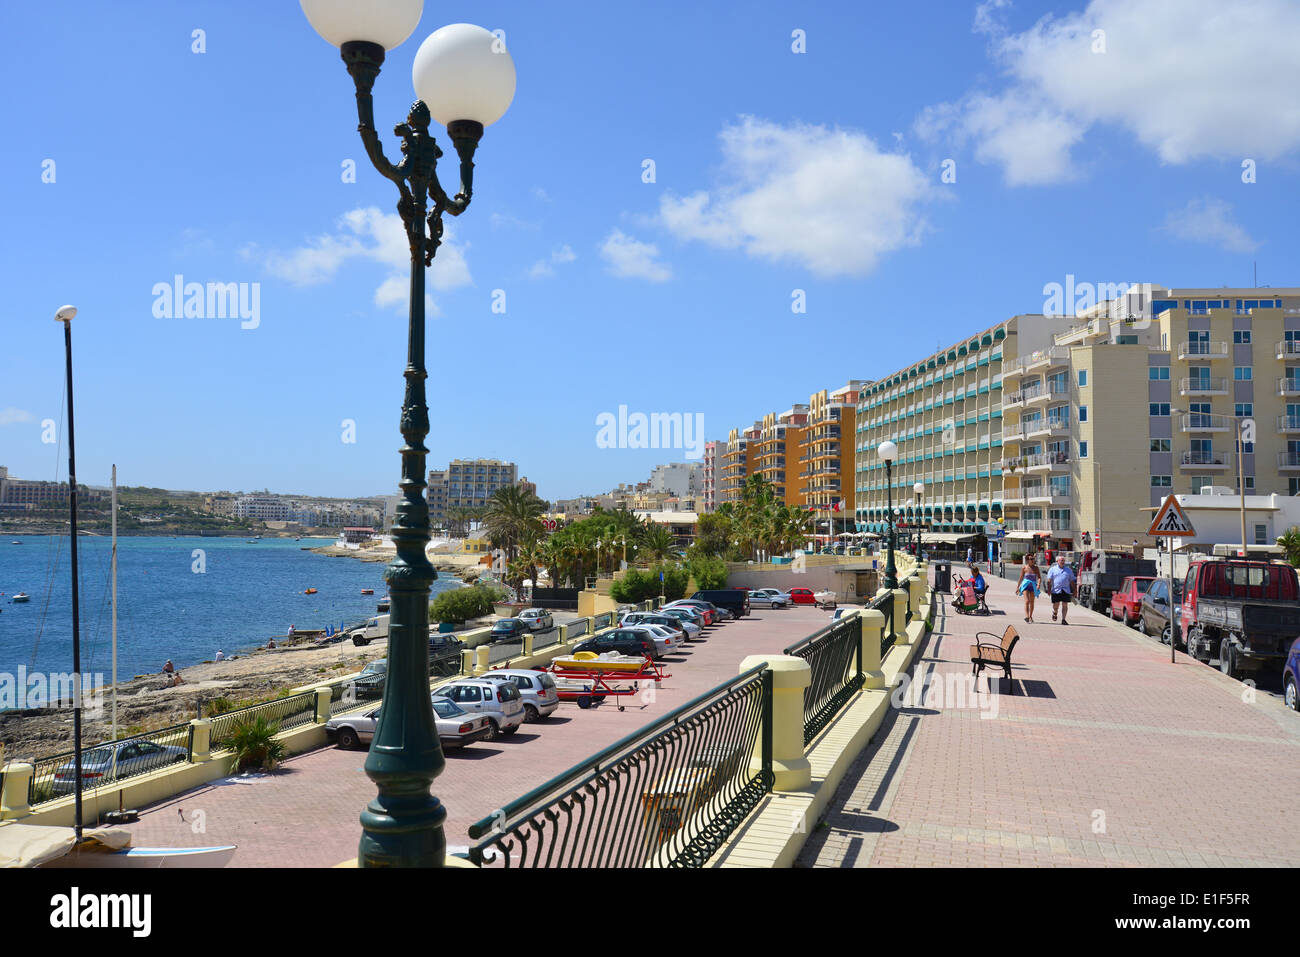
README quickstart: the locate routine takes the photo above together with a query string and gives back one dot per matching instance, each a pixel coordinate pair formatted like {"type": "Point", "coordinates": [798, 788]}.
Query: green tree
{"type": "Point", "coordinates": [513, 518]}
{"type": "Point", "coordinates": [1290, 542]}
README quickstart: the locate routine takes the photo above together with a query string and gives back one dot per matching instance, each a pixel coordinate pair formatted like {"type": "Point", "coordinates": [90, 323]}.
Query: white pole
{"type": "Point", "coordinates": [1169, 547]}
{"type": "Point", "coordinates": [114, 606]}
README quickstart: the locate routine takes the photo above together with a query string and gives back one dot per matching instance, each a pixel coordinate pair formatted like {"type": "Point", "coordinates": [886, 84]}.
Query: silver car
{"type": "Point", "coordinates": [108, 763]}
{"type": "Point", "coordinates": [761, 599]}
{"type": "Point", "coordinates": [498, 701]}
{"type": "Point", "coordinates": [536, 688]}
{"type": "Point", "coordinates": [665, 641]}
{"type": "Point", "coordinates": [456, 727]}
{"type": "Point", "coordinates": [679, 627]}
{"type": "Point", "coordinates": [537, 619]}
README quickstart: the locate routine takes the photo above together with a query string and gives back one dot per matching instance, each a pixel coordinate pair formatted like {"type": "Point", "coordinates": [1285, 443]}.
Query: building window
{"type": "Point", "coordinates": [1241, 373]}
{"type": "Point", "coordinates": [1083, 413]}
{"type": "Point", "coordinates": [1161, 481]}
{"type": "Point", "coordinates": [1241, 336]}
{"type": "Point", "coordinates": [1261, 534]}
{"type": "Point", "coordinates": [1160, 445]}
{"type": "Point", "coordinates": [1159, 408]}
{"type": "Point", "coordinates": [1083, 377]}
{"type": "Point", "coordinates": [1158, 373]}
{"type": "Point", "coordinates": [1083, 450]}
{"type": "Point", "coordinates": [1244, 410]}
{"type": "Point", "coordinates": [1200, 482]}
{"type": "Point", "coordinates": [1293, 485]}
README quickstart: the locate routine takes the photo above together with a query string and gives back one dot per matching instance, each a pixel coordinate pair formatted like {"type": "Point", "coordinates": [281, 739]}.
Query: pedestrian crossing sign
{"type": "Point", "coordinates": [1171, 520]}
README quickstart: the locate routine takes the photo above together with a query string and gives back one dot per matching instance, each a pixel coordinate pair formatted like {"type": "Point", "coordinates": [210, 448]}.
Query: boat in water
{"type": "Point", "coordinates": [310, 591]}
{"type": "Point", "coordinates": [367, 591]}
{"type": "Point", "coordinates": [22, 596]}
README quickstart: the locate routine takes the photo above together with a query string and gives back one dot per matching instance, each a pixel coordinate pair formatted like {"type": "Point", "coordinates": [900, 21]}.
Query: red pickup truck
{"type": "Point", "coordinates": [1126, 601]}
{"type": "Point", "coordinates": [1244, 613]}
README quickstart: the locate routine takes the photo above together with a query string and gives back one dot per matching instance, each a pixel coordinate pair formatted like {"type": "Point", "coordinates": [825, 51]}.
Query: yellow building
{"type": "Point", "coordinates": [777, 451]}
{"type": "Point", "coordinates": [826, 453]}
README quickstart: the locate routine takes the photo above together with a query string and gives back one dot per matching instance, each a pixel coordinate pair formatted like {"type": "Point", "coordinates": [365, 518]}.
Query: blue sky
{"type": "Point", "coordinates": [774, 171]}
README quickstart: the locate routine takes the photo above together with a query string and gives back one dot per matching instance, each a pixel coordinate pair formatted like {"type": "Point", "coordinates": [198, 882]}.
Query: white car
{"type": "Point", "coordinates": [774, 592]}
{"type": "Point", "coordinates": [537, 619]}
{"type": "Point", "coordinates": [761, 599]}
{"type": "Point", "coordinates": [683, 629]}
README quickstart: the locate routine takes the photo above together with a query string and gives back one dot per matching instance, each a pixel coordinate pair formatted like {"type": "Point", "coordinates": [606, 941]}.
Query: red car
{"type": "Point", "coordinates": [1126, 601]}
{"type": "Point", "coordinates": [802, 596]}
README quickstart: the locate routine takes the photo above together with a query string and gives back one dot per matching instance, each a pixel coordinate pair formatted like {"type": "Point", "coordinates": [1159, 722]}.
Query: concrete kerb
{"type": "Point", "coordinates": [776, 831]}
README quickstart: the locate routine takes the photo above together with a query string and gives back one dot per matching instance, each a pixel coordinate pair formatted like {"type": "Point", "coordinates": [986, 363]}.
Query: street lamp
{"type": "Point", "coordinates": [888, 451]}
{"type": "Point", "coordinates": [465, 80]}
{"type": "Point", "coordinates": [918, 488]}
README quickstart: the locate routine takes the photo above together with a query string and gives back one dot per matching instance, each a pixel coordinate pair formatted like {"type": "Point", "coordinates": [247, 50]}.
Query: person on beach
{"type": "Point", "coordinates": [270, 644]}
{"type": "Point", "coordinates": [1060, 581]}
{"type": "Point", "coordinates": [1028, 586]}
{"type": "Point", "coordinates": [291, 631]}
{"type": "Point", "coordinates": [221, 655]}
{"type": "Point", "coordinates": [169, 668]}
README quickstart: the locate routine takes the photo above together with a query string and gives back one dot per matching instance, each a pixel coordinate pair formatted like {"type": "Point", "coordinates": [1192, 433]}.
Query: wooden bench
{"type": "Point", "coordinates": [995, 655]}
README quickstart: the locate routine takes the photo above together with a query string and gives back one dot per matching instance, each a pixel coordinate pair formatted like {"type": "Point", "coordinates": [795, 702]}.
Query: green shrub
{"type": "Point", "coordinates": [255, 746]}
{"type": "Point", "coordinates": [462, 604]}
{"type": "Point", "coordinates": [708, 571]}
{"type": "Point", "coordinates": [638, 586]}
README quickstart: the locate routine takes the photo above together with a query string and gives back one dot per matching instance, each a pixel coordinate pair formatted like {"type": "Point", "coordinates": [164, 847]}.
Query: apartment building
{"type": "Point", "coordinates": [827, 452]}
{"type": "Point", "coordinates": [777, 452]}
{"type": "Point", "coordinates": [678, 478]}
{"type": "Point", "coordinates": [466, 483]}
{"type": "Point", "coordinates": [261, 508]}
{"type": "Point", "coordinates": [1064, 425]}
{"type": "Point", "coordinates": [711, 470]}
{"type": "Point", "coordinates": [739, 460]}
{"type": "Point", "coordinates": [27, 493]}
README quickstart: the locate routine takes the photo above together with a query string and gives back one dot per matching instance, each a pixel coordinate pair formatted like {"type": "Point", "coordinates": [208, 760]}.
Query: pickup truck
{"type": "Point", "coordinates": [1097, 586]}
{"type": "Point", "coordinates": [1244, 613]}
{"type": "Point", "coordinates": [376, 627]}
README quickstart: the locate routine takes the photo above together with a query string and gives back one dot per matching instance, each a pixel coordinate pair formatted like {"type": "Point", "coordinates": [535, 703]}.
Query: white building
{"type": "Point", "coordinates": [1215, 515]}
{"type": "Point", "coordinates": [683, 479]}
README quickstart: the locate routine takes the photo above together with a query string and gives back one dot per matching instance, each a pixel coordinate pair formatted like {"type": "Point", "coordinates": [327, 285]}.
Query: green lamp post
{"type": "Point", "coordinates": [465, 80]}
{"type": "Point", "coordinates": [888, 451]}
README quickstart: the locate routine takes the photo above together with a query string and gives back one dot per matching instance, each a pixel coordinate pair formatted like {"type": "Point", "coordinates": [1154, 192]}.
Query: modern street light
{"type": "Point", "coordinates": [465, 80]}
{"type": "Point", "coordinates": [888, 451]}
{"type": "Point", "coordinates": [918, 488]}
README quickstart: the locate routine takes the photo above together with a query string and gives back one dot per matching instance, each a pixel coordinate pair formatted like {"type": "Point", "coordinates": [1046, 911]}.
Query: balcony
{"type": "Point", "coordinates": [1047, 462]}
{"type": "Point", "coordinates": [1046, 495]}
{"type": "Point", "coordinates": [1214, 461]}
{"type": "Point", "coordinates": [1042, 525]}
{"type": "Point", "coordinates": [1205, 422]}
{"type": "Point", "coordinates": [1288, 423]}
{"type": "Point", "coordinates": [1203, 386]}
{"type": "Point", "coordinates": [1050, 394]}
{"type": "Point", "coordinates": [1288, 386]}
{"type": "Point", "coordinates": [1288, 349]}
{"type": "Point", "coordinates": [1288, 460]}
{"type": "Point", "coordinates": [1047, 358]}
{"type": "Point", "coordinates": [1050, 426]}
{"type": "Point", "coordinates": [1202, 350]}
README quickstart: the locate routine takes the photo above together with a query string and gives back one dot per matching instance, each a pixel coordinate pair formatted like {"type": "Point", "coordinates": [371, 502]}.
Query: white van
{"type": "Point", "coordinates": [376, 627]}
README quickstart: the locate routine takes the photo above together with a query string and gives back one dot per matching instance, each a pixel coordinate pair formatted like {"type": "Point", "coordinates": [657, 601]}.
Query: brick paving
{"type": "Point", "coordinates": [1101, 754]}
{"type": "Point", "coordinates": [306, 815]}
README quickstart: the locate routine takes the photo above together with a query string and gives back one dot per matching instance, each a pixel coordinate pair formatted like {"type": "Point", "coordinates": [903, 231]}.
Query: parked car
{"type": "Point", "coordinates": [775, 593]}
{"type": "Point", "coordinates": [687, 615]}
{"type": "Point", "coordinates": [1153, 616]}
{"type": "Point", "coordinates": [684, 629]}
{"type": "Point", "coordinates": [735, 600]}
{"type": "Point", "coordinates": [456, 727]}
{"type": "Point", "coordinates": [536, 690]}
{"type": "Point", "coordinates": [1096, 587]}
{"type": "Point", "coordinates": [1291, 677]}
{"type": "Point", "coordinates": [802, 596]}
{"type": "Point", "coordinates": [1244, 613]}
{"type": "Point", "coordinates": [98, 765]}
{"type": "Point", "coordinates": [761, 599]}
{"type": "Point", "coordinates": [707, 609]}
{"type": "Point", "coordinates": [538, 619]}
{"type": "Point", "coordinates": [1126, 601]}
{"type": "Point", "coordinates": [376, 627]}
{"type": "Point", "coordinates": [370, 683]}
{"type": "Point", "coordinates": [625, 641]}
{"type": "Point", "coordinates": [509, 629]}
{"type": "Point", "coordinates": [498, 701]}
{"type": "Point", "coordinates": [665, 641]}
{"type": "Point", "coordinates": [445, 653]}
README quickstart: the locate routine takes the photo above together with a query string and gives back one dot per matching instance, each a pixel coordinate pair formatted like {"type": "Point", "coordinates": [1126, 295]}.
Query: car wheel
{"type": "Point", "coordinates": [493, 731]}
{"type": "Point", "coordinates": [1113, 616]}
{"type": "Point", "coordinates": [506, 732]}
{"type": "Point", "coordinates": [1142, 625]}
{"type": "Point", "coordinates": [531, 714]}
{"type": "Point", "coordinates": [348, 739]}
{"type": "Point", "coordinates": [1289, 694]}
{"type": "Point", "coordinates": [1167, 635]}
{"type": "Point", "coordinates": [1228, 660]}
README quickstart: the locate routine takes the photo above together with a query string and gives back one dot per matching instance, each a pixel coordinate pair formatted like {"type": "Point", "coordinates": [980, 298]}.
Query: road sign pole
{"type": "Point", "coordinates": [1172, 617]}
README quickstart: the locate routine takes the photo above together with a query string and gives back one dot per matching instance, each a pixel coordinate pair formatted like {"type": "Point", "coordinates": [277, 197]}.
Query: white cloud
{"type": "Point", "coordinates": [1190, 80]}
{"type": "Point", "coordinates": [827, 199]}
{"type": "Point", "coordinates": [545, 267]}
{"type": "Point", "coordinates": [629, 258]}
{"type": "Point", "coordinates": [541, 194]}
{"type": "Point", "coordinates": [1209, 220]}
{"type": "Point", "coordinates": [369, 234]}
{"type": "Point", "coordinates": [12, 416]}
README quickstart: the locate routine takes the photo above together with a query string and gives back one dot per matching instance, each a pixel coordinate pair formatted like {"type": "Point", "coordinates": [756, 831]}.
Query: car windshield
{"type": "Point", "coordinates": [445, 709]}
{"type": "Point", "coordinates": [376, 667]}
{"type": "Point", "coordinates": [505, 624]}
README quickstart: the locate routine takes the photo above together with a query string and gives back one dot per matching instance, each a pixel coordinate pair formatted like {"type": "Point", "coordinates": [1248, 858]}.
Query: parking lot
{"type": "Point", "coordinates": [306, 814]}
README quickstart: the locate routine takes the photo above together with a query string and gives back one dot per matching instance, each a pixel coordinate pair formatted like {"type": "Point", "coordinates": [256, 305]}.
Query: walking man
{"type": "Point", "coordinates": [1060, 582]}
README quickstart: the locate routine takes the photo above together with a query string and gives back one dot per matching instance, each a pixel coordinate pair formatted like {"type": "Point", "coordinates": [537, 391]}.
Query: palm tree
{"type": "Point", "coordinates": [513, 518]}
{"type": "Point", "coordinates": [1290, 542]}
{"type": "Point", "coordinates": [658, 543]}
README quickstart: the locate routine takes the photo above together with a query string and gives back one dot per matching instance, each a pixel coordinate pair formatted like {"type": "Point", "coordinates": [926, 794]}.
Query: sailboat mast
{"type": "Point", "coordinates": [66, 319]}
{"type": "Point", "coordinates": [114, 737]}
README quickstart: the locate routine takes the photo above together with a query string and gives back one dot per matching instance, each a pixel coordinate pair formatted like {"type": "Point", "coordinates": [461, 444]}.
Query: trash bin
{"type": "Point", "coordinates": [943, 577]}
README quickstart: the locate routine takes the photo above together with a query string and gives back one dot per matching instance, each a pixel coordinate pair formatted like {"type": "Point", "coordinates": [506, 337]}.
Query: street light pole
{"type": "Point", "coordinates": [466, 81]}
{"type": "Point", "coordinates": [889, 451]}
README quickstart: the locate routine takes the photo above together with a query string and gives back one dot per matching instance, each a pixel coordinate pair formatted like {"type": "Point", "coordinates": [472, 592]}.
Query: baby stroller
{"type": "Point", "coordinates": [966, 600]}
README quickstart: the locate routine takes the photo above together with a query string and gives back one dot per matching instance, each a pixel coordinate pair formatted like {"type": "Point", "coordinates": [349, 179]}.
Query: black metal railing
{"type": "Point", "coordinates": [576, 628]}
{"type": "Point", "coordinates": [834, 655]}
{"type": "Point", "coordinates": [285, 713]}
{"type": "Point", "coordinates": [885, 604]}
{"type": "Point", "coordinates": [603, 620]}
{"type": "Point", "coordinates": [108, 763]}
{"type": "Point", "coordinates": [669, 794]}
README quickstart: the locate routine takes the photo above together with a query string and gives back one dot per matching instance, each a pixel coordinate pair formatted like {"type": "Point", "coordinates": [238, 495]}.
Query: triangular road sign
{"type": "Point", "coordinates": [1171, 520]}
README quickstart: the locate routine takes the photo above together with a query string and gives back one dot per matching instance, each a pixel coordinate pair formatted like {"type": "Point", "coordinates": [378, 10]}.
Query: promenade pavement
{"type": "Point", "coordinates": [1101, 753]}
{"type": "Point", "coordinates": [306, 814]}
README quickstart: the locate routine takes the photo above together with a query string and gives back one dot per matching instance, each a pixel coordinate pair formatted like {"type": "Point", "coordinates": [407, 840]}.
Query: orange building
{"type": "Point", "coordinates": [738, 462]}
{"type": "Point", "coordinates": [778, 448]}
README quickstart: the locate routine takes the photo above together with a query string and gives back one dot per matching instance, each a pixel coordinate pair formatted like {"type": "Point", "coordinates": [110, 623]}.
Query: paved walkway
{"type": "Point", "coordinates": [1102, 753]}
{"type": "Point", "coordinates": [306, 815]}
